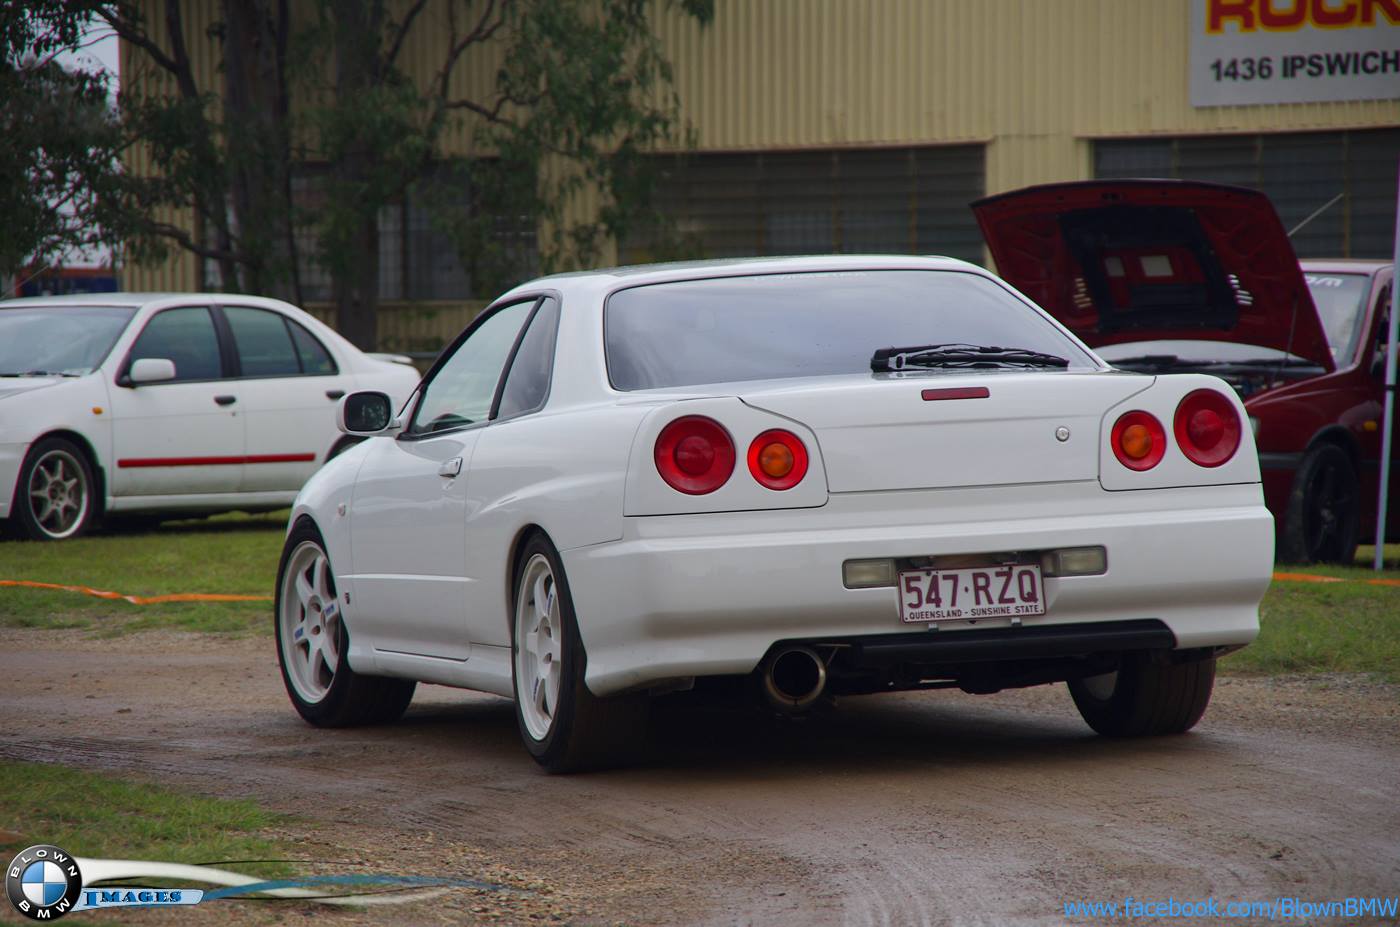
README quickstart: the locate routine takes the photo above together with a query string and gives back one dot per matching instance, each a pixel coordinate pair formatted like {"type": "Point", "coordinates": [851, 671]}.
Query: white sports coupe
{"type": "Point", "coordinates": [832, 475]}
{"type": "Point", "coordinates": [120, 404]}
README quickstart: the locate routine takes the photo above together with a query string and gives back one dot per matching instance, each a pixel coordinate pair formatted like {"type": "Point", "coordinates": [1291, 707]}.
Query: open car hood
{"type": "Point", "coordinates": [1146, 260]}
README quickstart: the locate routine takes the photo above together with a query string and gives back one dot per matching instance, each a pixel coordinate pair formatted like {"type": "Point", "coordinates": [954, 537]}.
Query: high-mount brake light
{"type": "Point", "coordinates": [778, 459]}
{"type": "Point", "coordinates": [694, 455]}
{"type": "Point", "coordinates": [1207, 427]}
{"type": "Point", "coordinates": [1138, 440]}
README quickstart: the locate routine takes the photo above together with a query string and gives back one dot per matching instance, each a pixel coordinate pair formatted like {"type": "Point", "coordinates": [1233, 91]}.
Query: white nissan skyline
{"type": "Point", "coordinates": [832, 475]}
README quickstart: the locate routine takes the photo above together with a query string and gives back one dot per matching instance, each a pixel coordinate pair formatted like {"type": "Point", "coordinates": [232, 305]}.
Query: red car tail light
{"type": "Point", "coordinates": [1207, 427]}
{"type": "Point", "coordinates": [778, 459]}
{"type": "Point", "coordinates": [694, 455]}
{"type": "Point", "coordinates": [1138, 440]}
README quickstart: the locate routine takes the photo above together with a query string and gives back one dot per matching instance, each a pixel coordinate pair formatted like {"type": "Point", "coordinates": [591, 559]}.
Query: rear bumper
{"type": "Point", "coordinates": [696, 595]}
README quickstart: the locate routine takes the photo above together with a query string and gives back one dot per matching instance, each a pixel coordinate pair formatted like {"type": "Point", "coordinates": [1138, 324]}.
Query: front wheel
{"type": "Point", "coordinates": [1324, 509]}
{"type": "Point", "coordinates": [312, 642]}
{"type": "Point", "coordinates": [54, 498]}
{"type": "Point", "coordinates": [565, 727]}
{"type": "Point", "coordinates": [1142, 698]}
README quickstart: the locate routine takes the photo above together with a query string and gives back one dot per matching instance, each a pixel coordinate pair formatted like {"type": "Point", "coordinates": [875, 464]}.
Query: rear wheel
{"type": "Point", "coordinates": [1323, 509]}
{"type": "Point", "coordinates": [1143, 698]}
{"type": "Point", "coordinates": [312, 642]}
{"type": "Point", "coordinates": [564, 726]}
{"type": "Point", "coordinates": [54, 498]}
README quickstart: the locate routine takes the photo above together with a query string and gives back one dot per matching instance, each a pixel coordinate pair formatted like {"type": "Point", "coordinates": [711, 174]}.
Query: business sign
{"type": "Point", "coordinates": [1294, 51]}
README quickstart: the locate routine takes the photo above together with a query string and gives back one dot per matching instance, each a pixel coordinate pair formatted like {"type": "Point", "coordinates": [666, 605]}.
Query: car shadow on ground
{"type": "Point", "coordinates": [695, 738]}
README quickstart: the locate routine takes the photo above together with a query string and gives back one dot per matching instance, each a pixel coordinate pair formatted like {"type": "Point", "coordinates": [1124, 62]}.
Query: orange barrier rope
{"type": "Point", "coordinates": [139, 599]}
{"type": "Point", "coordinates": [1316, 578]}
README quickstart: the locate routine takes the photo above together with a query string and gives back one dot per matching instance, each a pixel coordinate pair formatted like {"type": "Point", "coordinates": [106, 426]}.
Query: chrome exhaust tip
{"type": "Point", "coordinates": [793, 678]}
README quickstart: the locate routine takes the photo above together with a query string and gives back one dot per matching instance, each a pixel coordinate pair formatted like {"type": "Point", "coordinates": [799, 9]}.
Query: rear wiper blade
{"type": "Point", "coordinates": [962, 355]}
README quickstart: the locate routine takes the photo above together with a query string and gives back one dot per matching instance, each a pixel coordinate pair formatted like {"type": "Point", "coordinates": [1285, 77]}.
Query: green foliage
{"type": "Point", "coordinates": [59, 138]}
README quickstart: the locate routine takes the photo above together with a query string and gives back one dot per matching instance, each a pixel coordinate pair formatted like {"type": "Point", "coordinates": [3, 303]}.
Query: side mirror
{"type": "Point", "coordinates": [366, 414]}
{"type": "Point", "coordinates": [151, 370]}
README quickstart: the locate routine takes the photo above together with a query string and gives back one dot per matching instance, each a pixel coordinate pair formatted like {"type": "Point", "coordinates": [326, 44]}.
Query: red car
{"type": "Point", "coordinates": [1172, 276]}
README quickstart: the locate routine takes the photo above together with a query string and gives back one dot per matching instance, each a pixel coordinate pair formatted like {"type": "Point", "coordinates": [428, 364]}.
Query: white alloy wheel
{"type": "Point", "coordinates": [58, 494]}
{"type": "Point", "coordinates": [309, 622]}
{"type": "Point", "coordinates": [539, 629]}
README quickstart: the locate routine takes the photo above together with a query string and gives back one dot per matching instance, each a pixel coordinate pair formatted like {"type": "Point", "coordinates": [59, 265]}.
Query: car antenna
{"type": "Point", "coordinates": [1315, 213]}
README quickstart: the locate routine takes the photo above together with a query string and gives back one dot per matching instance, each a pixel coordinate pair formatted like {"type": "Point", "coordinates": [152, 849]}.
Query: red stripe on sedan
{"type": "Point", "coordinates": [213, 461]}
{"type": "Point", "coordinates": [957, 392]}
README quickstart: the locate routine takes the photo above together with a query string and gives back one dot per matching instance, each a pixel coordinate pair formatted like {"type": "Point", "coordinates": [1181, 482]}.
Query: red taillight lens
{"type": "Point", "coordinates": [778, 459]}
{"type": "Point", "coordinates": [1207, 427]}
{"type": "Point", "coordinates": [694, 455]}
{"type": "Point", "coordinates": [1138, 440]}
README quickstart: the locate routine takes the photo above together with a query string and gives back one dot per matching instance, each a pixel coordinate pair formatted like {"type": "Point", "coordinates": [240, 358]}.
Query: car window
{"type": "Point", "coordinates": [1341, 304]}
{"type": "Point", "coordinates": [776, 326]}
{"type": "Point", "coordinates": [461, 391]}
{"type": "Point", "coordinates": [264, 345]}
{"type": "Point", "coordinates": [185, 336]}
{"type": "Point", "coordinates": [527, 383]}
{"type": "Point", "coordinates": [58, 339]}
{"type": "Point", "coordinates": [315, 359]}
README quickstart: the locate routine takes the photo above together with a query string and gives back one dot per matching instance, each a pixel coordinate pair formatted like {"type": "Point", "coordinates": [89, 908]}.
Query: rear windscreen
{"type": "Point", "coordinates": [777, 326]}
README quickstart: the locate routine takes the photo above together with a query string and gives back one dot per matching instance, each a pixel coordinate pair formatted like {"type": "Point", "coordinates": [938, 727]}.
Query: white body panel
{"type": "Point", "coordinates": [271, 419]}
{"type": "Point", "coordinates": [669, 586]}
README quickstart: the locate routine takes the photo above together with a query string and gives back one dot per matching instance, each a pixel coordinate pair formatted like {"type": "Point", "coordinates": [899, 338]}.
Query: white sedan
{"type": "Point", "coordinates": [832, 475]}
{"type": "Point", "coordinates": [143, 404]}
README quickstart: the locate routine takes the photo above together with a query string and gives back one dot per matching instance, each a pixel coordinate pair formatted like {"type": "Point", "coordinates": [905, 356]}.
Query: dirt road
{"type": "Point", "coordinates": [923, 808]}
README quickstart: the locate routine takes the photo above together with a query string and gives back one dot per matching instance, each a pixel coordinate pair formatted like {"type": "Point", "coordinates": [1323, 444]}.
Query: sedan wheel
{"type": "Point", "coordinates": [537, 661]}
{"type": "Point", "coordinates": [312, 643]}
{"type": "Point", "coordinates": [1323, 509]}
{"type": "Point", "coordinates": [564, 726]}
{"type": "Point", "coordinates": [1143, 698]}
{"type": "Point", "coordinates": [55, 492]}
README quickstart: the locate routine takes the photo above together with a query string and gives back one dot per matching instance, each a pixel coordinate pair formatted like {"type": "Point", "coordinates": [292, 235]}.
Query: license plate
{"type": "Point", "coordinates": [970, 593]}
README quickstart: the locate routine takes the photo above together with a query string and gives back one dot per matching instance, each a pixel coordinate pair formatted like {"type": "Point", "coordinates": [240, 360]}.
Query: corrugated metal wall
{"type": "Point", "coordinates": [1036, 80]}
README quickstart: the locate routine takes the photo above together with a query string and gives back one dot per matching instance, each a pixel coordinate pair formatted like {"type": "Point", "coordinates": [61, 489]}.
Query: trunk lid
{"type": "Point", "coordinates": [1144, 260]}
{"type": "Point", "coordinates": [880, 433]}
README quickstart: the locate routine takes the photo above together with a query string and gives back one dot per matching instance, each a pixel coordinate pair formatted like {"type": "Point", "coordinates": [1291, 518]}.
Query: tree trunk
{"type": "Point", "coordinates": [355, 274]}
{"type": "Point", "coordinates": [255, 113]}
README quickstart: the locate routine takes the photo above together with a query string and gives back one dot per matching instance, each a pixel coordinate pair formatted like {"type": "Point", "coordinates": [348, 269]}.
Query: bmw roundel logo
{"type": "Point", "coordinates": [43, 882]}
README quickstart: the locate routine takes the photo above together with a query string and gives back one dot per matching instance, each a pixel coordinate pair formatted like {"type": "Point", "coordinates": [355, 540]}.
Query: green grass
{"type": "Point", "coordinates": [234, 554]}
{"type": "Point", "coordinates": [99, 816]}
{"type": "Point", "coordinates": [1346, 627]}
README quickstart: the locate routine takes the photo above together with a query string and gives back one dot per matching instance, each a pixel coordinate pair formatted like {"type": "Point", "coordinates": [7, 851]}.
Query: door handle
{"type": "Point", "coordinates": [450, 468]}
{"type": "Point", "coordinates": [225, 400]}
{"type": "Point", "coordinates": [334, 393]}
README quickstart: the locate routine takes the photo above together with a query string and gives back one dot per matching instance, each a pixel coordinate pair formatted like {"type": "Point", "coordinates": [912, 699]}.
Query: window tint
{"type": "Point", "coordinates": [315, 359]}
{"type": "Point", "coordinates": [808, 324]}
{"type": "Point", "coordinates": [461, 391]}
{"type": "Point", "coordinates": [185, 336]}
{"type": "Point", "coordinates": [264, 346]}
{"type": "Point", "coordinates": [528, 380]}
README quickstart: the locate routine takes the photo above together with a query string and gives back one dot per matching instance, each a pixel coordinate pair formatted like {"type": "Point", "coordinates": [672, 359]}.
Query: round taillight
{"type": "Point", "coordinates": [778, 459]}
{"type": "Point", "coordinates": [1207, 427]}
{"type": "Point", "coordinates": [695, 455]}
{"type": "Point", "coordinates": [1138, 440]}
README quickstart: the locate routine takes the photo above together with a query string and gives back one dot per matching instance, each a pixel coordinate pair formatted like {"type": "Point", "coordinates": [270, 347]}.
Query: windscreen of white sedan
{"type": "Point", "coordinates": [778, 326]}
{"type": "Point", "coordinates": [66, 341]}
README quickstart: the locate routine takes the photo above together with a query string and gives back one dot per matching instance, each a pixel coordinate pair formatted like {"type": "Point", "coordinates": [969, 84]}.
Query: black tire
{"type": "Point", "coordinates": [1324, 509]}
{"type": "Point", "coordinates": [1145, 698]}
{"type": "Point", "coordinates": [68, 503]}
{"type": "Point", "coordinates": [584, 731]}
{"type": "Point", "coordinates": [346, 698]}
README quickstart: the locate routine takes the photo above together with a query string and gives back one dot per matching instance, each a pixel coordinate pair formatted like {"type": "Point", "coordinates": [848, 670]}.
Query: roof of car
{"type": "Point", "coordinates": [136, 299]}
{"type": "Point", "coordinates": [1343, 265]}
{"type": "Point", "coordinates": [752, 264]}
